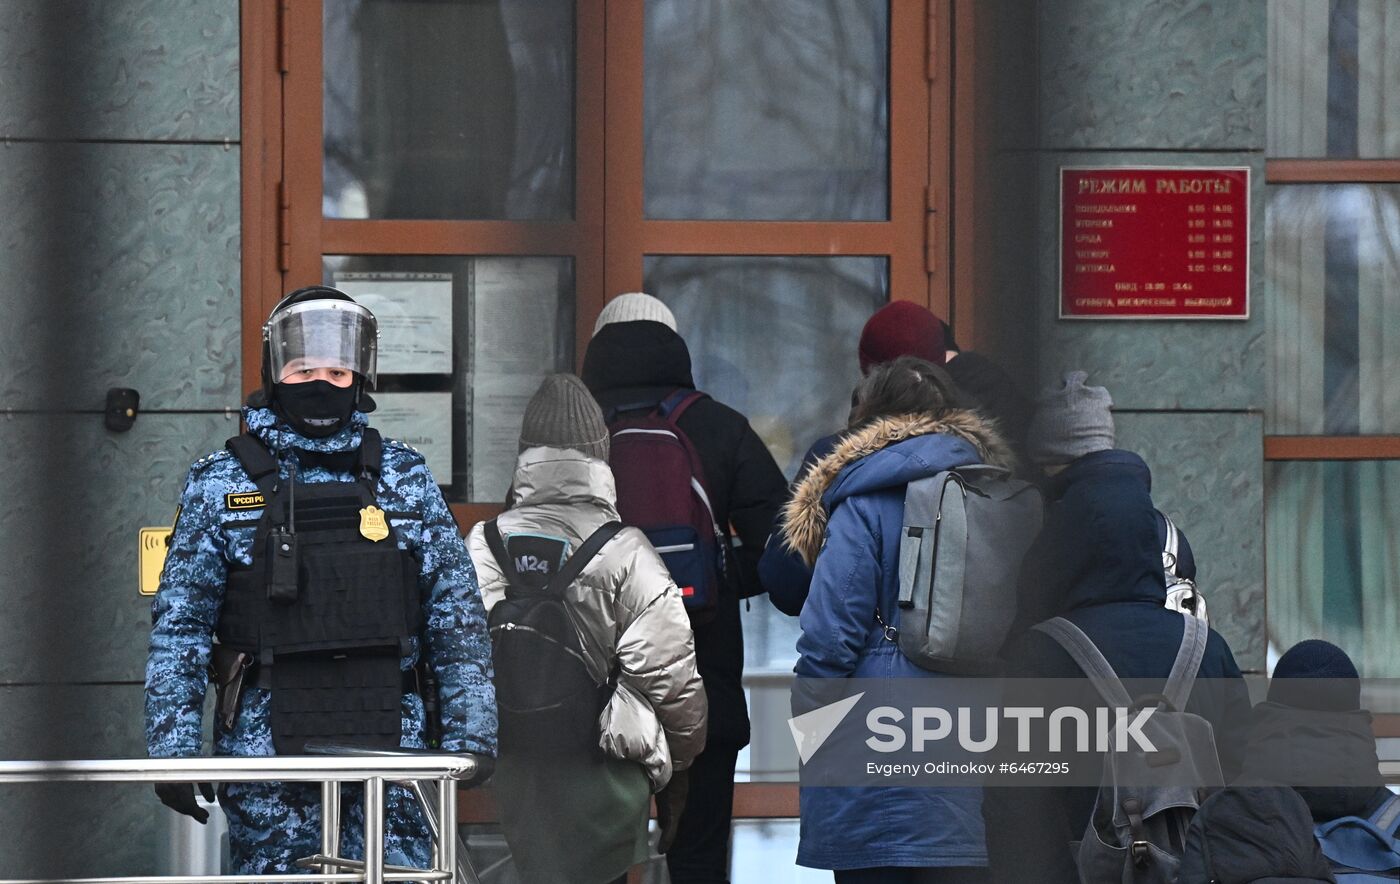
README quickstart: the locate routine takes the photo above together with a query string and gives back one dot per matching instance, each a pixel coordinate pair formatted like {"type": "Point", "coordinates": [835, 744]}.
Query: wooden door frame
{"type": "Point", "coordinates": [260, 165]}
{"type": "Point", "coordinates": [931, 236]}
{"type": "Point", "coordinates": [914, 73]}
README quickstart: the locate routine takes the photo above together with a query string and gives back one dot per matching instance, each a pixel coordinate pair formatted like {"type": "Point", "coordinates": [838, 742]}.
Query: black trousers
{"type": "Point", "coordinates": [701, 852]}
{"type": "Point", "coordinates": [912, 876]}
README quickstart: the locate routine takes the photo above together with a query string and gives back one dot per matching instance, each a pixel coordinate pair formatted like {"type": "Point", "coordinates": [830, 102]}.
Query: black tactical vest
{"type": "Point", "coordinates": [327, 608]}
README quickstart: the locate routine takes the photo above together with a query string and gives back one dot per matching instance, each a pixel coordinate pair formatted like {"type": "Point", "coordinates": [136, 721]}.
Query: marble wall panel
{"type": "Point", "coordinates": [149, 70]}
{"type": "Point", "coordinates": [1122, 74]}
{"type": "Point", "coordinates": [68, 538]}
{"type": "Point", "coordinates": [129, 254]}
{"type": "Point", "coordinates": [1154, 364]}
{"type": "Point", "coordinates": [1207, 474]}
{"type": "Point", "coordinates": [77, 830]}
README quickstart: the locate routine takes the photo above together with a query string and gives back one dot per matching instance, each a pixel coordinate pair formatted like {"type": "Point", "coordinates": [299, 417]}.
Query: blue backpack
{"type": "Point", "coordinates": [1361, 851]}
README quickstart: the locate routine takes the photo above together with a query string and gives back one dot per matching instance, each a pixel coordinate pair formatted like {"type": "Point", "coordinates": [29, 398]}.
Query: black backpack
{"type": "Point", "coordinates": [546, 700]}
{"type": "Point", "coordinates": [1256, 833]}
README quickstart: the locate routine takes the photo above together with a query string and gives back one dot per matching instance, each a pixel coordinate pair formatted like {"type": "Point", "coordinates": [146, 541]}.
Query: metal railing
{"type": "Point", "coordinates": [431, 777]}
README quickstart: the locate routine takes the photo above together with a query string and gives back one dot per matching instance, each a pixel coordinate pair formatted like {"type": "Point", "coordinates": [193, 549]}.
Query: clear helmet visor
{"type": "Point", "coordinates": [323, 334]}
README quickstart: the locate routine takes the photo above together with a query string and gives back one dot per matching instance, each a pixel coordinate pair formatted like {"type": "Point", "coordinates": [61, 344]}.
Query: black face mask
{"type": "Point", "coordinates": [316, 409]}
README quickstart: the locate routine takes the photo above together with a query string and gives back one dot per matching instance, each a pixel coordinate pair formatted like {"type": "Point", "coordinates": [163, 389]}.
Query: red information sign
{"type": "Point", "coordinates": [1154, 242]}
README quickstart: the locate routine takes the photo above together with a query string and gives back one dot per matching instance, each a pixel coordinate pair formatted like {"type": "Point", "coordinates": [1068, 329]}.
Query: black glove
{"type": "Point", "coordinates": [179, 797]}
{"type": "Point", "coordinates": [485, 766]}
{"type": "Point", "coordinates": [670, 804]}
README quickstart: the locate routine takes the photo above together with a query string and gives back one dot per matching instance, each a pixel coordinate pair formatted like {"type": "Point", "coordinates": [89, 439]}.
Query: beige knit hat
{"type": "Point", "coordinates": [563, 414]}
{"type": "Point", "coordinates": [634, 307]}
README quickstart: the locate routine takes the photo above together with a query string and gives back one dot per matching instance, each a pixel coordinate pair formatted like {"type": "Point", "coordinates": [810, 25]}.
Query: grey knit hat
{"type": "Point", "coordinates": [1071, 420]}
{"type": "Point", "coordinates": [563, 414]}
{"type": "Point", "coordinates": [634, 307]}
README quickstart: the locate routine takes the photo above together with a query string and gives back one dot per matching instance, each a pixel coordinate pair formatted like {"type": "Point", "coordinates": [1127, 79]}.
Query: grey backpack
{"type": "Point", "coordinates": [1137, 833]}
{"type": "Point", "coordinates": [965, 532]}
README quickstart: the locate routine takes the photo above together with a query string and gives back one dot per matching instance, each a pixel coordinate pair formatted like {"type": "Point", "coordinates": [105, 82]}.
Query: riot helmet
{"type": "Point", "coordinates": [318, 328]}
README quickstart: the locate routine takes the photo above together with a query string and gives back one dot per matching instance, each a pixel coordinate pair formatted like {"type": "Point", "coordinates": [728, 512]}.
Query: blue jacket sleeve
{"type": "Point", "coordinates": [840, 610]}
{"type": "Point", "coordinates": [184, 615]}
{"type": "Point", "coordinates": [458, 644]}
{"type": "Point", "coordinates": [784, 575]}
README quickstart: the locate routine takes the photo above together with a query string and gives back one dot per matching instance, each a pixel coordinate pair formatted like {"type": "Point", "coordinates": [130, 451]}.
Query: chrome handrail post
{"type": "Point", "coordinates": [374, 769]}
{"type": "Point", "coordinates": [447, 824]}
{"type": "Point", "coordinates": [330, 823]}
{"type": "Point", "coordinates": [374, 830]}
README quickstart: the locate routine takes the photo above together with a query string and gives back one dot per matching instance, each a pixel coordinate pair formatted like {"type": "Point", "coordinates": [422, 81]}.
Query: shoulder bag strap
{"type": "Point", "coordinates": [1082, 649]}
{"type": "Point", "coordinates": [678, 403]}
{"type": "Point", "coordinates": [503, 560]}
{"type": "Point", "coordinates": [1387, 815]}
{"type": "Point", "coordinates": [1173, 544]}
{"type": "Point", "coordinates": [1188, 662]}
{"type": "Point", "coordinates": [580, 559]}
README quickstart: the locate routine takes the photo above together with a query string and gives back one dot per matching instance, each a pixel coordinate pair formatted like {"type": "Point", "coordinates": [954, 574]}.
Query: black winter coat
{"type": "Point", "coordinates": [1258, 833]}
{"type": "Point", "coordinates": [1098, 563]}
{"type": "Point", "coordinates": [997, 396]}
{"type": "Point", "coordinates": [637, 364]}
{"type": "Point", "coordinates": [1303, 748]}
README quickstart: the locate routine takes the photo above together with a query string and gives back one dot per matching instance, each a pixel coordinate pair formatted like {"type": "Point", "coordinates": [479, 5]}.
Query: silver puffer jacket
{"type": "Point", "coordinates": [625, 607]}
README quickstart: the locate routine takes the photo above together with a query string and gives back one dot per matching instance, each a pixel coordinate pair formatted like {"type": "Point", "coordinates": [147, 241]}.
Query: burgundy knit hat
{"type": "Point", "coordinates": [902, 328]}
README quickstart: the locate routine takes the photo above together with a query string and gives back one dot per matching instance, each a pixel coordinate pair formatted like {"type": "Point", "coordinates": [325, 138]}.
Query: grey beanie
{"type": "Point", "coordinates": [563, 414]}
{"type": "Point", "coordinates": [1071, 420]}
{"type": "Point", "coordinates": [635, 307]}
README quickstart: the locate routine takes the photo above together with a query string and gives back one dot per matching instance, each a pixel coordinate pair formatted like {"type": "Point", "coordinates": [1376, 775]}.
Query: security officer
{"type": "Point", "coordinates": [312, 568]}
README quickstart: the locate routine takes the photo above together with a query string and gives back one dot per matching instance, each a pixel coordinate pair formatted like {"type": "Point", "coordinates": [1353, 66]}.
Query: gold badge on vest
{"type": "Point", "coordinates": [373, 524]}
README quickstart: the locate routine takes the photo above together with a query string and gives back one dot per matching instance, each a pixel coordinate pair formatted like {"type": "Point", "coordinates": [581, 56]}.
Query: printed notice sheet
{"type": "Point", "coordinates": [415, 318]}
{"type": "Point", "coordinates": [515, 319]}
{"type": "Point", "coordinates": [423, 420]}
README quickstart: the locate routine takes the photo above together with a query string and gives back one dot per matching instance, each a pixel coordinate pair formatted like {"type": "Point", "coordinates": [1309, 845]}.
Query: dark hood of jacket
{"type": "Point", "coordinates": [635, 359]}
{"type": "Point", "coordinates": [1304, 748]}
{"type": "Point", "coordinates": [886, 453]}
{"type": "Point", "coordinates": [1113, 465]}
{"type": "Point", "coordinates": [1105, 500]}
{"type": "Point", "coordinates": [995, 393]}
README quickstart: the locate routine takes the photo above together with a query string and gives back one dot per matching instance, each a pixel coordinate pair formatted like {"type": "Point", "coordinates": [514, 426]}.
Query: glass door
{"type": "Point", "coordinates": [489, 172]}
{"type": "Point", "coordinates": [497, 170]}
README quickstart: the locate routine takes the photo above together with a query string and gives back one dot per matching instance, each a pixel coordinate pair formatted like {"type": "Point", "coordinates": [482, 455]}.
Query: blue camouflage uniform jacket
{"type": "Point", "coordinates": [208, 538]}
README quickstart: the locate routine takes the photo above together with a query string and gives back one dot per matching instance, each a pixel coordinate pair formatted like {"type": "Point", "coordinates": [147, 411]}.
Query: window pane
{"type": "Point", "coordinates": [764, 852]}
{"type": "Point", "coordinates": [1334, 558]}
{"type": "Point", "coordinates": [449, 109]}
{"type": "Point", "coordinates": [1334, 78]}
{"type": "Point", "coordinates": [767, 109]}
{"type": "Point", "coordinates": [774, 337]}
{"type": "Point", "coordinates": [511, 323]}
{"type": "Point", "coordinates": [1333, 283]}
{"type": "Point", "coordinates": [770, 652]}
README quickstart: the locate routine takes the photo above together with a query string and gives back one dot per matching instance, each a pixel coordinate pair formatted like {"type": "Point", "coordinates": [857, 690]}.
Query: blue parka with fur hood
{"type": "Point", "coordinates": [850, 508]}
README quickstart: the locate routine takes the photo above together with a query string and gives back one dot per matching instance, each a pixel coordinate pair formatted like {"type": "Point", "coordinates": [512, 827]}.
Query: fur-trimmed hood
{"type": "Point", "coordinates": [886, 453]}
